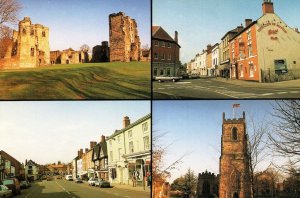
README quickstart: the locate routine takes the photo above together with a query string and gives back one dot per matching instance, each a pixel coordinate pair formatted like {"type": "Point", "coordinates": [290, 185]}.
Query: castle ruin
{"type": "Point", "coordinates": [28, 48]}
{"type": "Point", "coordinates": [123, 38]}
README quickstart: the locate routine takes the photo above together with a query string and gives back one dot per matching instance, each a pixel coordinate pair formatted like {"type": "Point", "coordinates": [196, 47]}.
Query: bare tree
{"type": "Point", "coordinates": [160, 169]}
{"type": "Point", "coordinates": [5, 39]}
{"type": "Point", "coordinates": [257, 143]}
{"type": "Point", "coordinates": [9, 10]}
{"type": "Point", "coordinates": [145, 47]}
{"type": "Point", "coordinates": [85, 48]}
{"type": "Point", "coordinates": [285, 137]}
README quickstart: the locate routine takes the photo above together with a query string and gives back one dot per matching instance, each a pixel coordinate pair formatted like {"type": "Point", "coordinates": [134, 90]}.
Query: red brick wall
{"type": "Point", "coordinates": [159, 49]}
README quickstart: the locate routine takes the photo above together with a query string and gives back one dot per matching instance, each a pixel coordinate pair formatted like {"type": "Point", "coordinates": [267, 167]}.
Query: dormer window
{"type": "Point", "coordinates": [234, 134]}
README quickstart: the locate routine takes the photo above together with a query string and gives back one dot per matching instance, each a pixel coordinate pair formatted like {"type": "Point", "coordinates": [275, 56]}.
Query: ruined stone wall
{"type": "Point", "coordinates": [234, 160]}
{"type": "Point", "coordinates": [123, 38]}
{"type": "Point", "coordinates": [29, 46]}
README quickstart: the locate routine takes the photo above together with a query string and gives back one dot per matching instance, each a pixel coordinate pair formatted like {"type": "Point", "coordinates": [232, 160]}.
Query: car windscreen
{"type": "Point", "coordinates": [7, 182]}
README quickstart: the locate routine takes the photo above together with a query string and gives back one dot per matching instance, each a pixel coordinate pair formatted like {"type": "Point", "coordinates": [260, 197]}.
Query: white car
{"type": "Point", "coordinates": [5, 192]}
{"type": "Point", "coordinates": [69, 177]}
{"type": "Point", "coordinates": [92, 181]}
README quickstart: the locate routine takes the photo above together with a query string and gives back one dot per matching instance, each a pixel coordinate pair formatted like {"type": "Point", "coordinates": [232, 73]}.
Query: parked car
{"type": "Point", "coordinates": [69, 177]}
{"type": "Point", "coordinates": [44, 177]}
{"type": "Point", "coordinates": [78, 180]}
{"type": "Point", "coordinates": [49, 178]}
{"type": "Point", "coordinates": [102, 183]}
{"type": "Point", "coordinates": [167, 78]}
{"type": "Point", "coordinates": [5, 192]}
{"type": "Point", "coordinates": [24, 184]}
{"type": "Point", "coordinates": [13, 184]}
{"type": "Point", "coordinates": [92, 181]}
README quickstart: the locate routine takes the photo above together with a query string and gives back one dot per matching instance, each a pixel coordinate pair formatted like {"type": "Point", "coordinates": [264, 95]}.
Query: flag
{"type": "Point", "coordinates": [236, 105]}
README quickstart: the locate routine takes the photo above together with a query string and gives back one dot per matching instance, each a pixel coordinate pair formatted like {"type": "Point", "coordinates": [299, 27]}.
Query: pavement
{"type": "Point", "coordinates": [221, 88]}
{"type": "Point", "coordinates": [69, 189]}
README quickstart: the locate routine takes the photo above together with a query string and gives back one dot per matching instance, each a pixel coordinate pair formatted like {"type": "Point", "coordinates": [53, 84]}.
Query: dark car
{"type": "Point", "coordinates": [13, 184]}
{"type": "Point", "coordinates": [102, 183]}
{"type": "Point", "coordinates": [78, 180]}
{"type": "Point", "coordinates": [24, 184]}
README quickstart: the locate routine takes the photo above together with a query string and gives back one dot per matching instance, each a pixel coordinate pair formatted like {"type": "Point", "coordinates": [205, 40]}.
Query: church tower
{"type": "Point", "coordinates": [234, 161]}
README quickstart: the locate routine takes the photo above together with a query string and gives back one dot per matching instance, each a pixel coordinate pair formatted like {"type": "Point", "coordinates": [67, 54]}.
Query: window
{"type": "Point", "coordinates": [120, 153]}
{"type": "Point", "coordinates": [234, 134]}
{"type": "Point", "coordinates": [162, 43]}
{"type": "Point", "coordinates": [169, 57]}
{"type": "Point", "coordinates": [32, 51]}
{"type": "Point", "coordinates": [250, 50]}
{"type": "Point", "coordinates": [249, 35]}
{"type": "Point", "coordinates": [155, 43]}
{"type": "Point", "coordinates": [29, 167]}
{"type": "Point", "coordinates": [251, 73]}
{"type": "Point", "coordinates": [146, 143]}
{"type": "Point", "coordinates": [155, 72]}
{"type": "Point", "coordinates": [155, 55]}
{"type": "Point", "coordinates": [130, 134]}
{"type": "Point", "coordinates": [145, 125]}
{"type": "Point", "coordinates": [241, 71]}
{"type": "Point", "coordinates": [168, 72]}
{"type": "Point", "coordinates": [119, 139]}
{"type": "Point", "coordinates": [131, 149]}
{"type": "Point", "coordinates": [163, 57]}
{"type": "Point", "coordinates": [111, 156]}
{"type": "Point", "coordinates": [169, 45]}
{"type": "Point", "coordinates": [43, 34]}
{"type": "Point", "coordinates": [161, 72]}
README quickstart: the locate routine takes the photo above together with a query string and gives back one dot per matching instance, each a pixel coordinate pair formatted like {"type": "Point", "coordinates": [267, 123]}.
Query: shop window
{"type": "Point", "coordinates": [168, 72]}
{"type": "Point", "coordinates": [155, 72]}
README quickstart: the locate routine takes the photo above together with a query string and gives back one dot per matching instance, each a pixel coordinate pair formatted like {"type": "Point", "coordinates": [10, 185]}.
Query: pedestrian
{"type": "Point", "coordinates": [133, 181]}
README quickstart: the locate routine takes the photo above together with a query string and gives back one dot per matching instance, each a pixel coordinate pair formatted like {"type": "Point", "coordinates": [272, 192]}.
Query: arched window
{"type": "Point", "coordinates": [234, 134]}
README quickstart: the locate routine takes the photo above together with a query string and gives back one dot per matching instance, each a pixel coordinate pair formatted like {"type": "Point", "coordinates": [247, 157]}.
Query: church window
{"type": "Point", "coordinates": [234, 134]}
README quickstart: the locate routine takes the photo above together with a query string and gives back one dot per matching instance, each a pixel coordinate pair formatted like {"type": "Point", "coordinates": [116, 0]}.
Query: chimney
{"type": "Point", "coordinates": [176, 36]}
{"type": "Point", "coordinates": [92, 144]}
{"type": "Point", "coordinates": [239, 28]}
{"type": "Point", "coordinates": [126, 121]}
{"type": "Point", "coordinates": [268, 7]}
{"type": "Point", "coordinates": [248, 22]}
{"type": "Point", "coordinates": [86, 150]}
{"type": "Point", "coordinates": [102, 138]}
{"type": "Point", "coordinates": [25, 161]}
{"type": "Point", "coordinates": [297, 30]}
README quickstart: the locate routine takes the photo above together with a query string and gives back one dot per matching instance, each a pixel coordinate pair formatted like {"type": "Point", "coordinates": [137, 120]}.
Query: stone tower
{"type": "Point", "coordinates": [234, 161]}
{"type": "Point", "coordinates": [123, 38]}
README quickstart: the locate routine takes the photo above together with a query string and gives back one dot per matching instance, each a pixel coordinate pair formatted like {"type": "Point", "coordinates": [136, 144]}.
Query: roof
{"type": "Point", "coordinates": [12, 158]}
{"type": "Point", "coordinates": [233, 31]}
{"type": "Point", "coordinates": [97, 149]}
{"type": "Point", "coordinates": [159, 33]}
{"type": "Point", "coordinates": [31, 162]}
{"type": "Point", "coordinates": [117, 132]}
{"type": "Point", "coordinates": [246, 28]}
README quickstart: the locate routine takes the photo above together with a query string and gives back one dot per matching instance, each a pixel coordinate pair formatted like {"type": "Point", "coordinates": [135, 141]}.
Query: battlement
{"type": "Point", "coordinates": [234, 120]}
{"type": "Point", "coordinates": [117, 14]}
{"type": "Point", "coordinates": [206, 174]}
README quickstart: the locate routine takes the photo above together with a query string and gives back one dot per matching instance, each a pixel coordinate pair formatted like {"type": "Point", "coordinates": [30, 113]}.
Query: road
{"type": "Point", "coordinates": [211, 88]}
{"type": "Point", "coordinates": [70, 189]}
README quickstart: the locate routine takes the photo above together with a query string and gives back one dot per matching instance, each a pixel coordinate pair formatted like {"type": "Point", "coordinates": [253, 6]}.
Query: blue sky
{"type": "Point", "coordinates": [76, 22]}
{"type": "Point", "coordinates": [195, 128]}
{"type": "Point", "coordinates": [202, 22]}
{"type": "Point", "coordinates": [51, 131]}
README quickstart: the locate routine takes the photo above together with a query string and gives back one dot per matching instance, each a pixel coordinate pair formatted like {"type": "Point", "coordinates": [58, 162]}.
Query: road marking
{"type": "Point", "coordinates": [63, 188]}
{"type": "Point", "coordinates": [179, 83]}
{"type": "Point", "coordinates": [294, 91]}
{"type": "Point", "coordinates": [267, 94]}
{"type": "Point", "coordinates": [161, 88]}
{"type": "Point", "coordinates": [282, 93]}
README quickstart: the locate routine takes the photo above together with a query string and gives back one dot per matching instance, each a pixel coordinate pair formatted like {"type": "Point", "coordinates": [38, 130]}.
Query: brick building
{"type": "Point", "coordinates": [10, 167]}
{"type": "Point", "coordinates": [234, 160]}
{"type": "Point", "coordinates": [165, 53]}
{"type": "Point", "coordinates": [123, 38]}
{"type": "Point", "coordinates": [266, 50]}
{"type": "Point", "coordinates": [29, 47]}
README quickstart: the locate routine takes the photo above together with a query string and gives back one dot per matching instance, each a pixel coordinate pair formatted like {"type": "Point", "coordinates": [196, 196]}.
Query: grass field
{"type": "Point", "coordinates": [78, 81]}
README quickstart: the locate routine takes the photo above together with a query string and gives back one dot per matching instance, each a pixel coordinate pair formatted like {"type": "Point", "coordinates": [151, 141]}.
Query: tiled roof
{"type": "Point", "coordinates": [159, 33]}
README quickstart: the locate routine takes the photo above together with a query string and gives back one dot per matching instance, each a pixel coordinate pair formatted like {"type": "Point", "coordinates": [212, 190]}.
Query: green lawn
{"type": "Point", "coordinates": [78, 81]}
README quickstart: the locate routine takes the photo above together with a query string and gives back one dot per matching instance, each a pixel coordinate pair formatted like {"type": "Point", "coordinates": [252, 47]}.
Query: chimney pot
{"type": "Point", "coordinates": [126, 121]}
{"type": "Point", "coordinates": [268, 7]}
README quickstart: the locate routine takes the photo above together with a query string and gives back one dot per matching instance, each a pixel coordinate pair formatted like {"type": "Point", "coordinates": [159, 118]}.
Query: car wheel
{"type": "Point", "coordinates": [174, 80]}
{"type": "Point", "coordinates": [159, 81]}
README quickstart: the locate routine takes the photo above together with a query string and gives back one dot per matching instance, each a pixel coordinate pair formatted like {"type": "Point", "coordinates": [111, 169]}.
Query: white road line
{"type": "Point", "coordinates": [179, 83]}
{"type": "Point", "coordinates": [161, 88]}
{"type": "Point", "coordinates": [280, 93]}
{"type": "Point", "coordinates": [267, 94]}
{"type": "Point", "coordinates": [294, 91]}
{"type": "Point", "coordinates": [227, 95]}
{"type": "Point", "coordinates": [63, 188]}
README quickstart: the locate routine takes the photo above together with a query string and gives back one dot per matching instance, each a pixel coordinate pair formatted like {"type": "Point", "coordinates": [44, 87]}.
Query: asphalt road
{"type": "Point", "coordinates": [70, 189]}
{"type": "Point", "coordinates": [210, 88]}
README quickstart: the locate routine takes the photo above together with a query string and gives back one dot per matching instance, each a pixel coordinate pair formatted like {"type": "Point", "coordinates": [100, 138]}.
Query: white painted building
{"type": "Point", "coordinates": [202, 63]}
{"type": "Point", "coordinates": [129, 151]}
{"type": "Point", "coordinates": [31, 170]}
{"type": "Point", "coordinates": [215, 60]}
